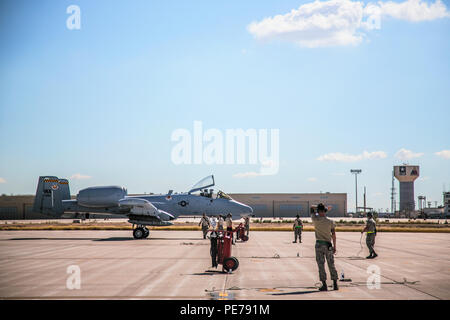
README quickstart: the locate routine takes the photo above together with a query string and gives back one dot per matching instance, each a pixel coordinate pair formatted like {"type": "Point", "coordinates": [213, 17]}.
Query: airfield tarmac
{"type": "Point", "coordinates": [176, 265]}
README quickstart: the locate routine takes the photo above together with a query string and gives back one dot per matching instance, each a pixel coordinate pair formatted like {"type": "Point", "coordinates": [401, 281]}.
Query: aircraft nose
{"type": "Point", "coordinates": [249, 209]}
{"type": "Point", "coordinates": [243, 208]}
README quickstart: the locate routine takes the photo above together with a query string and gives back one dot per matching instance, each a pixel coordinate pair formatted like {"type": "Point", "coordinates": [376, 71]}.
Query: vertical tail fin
{"type": "Point", "coordinates": [49, 195]}
{"type": "Point", "coordinates": [64, 187]}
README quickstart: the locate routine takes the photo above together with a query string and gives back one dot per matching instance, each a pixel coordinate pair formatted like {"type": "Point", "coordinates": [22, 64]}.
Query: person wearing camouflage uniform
{"type": "Point", "coordinates": [371, 230]}
{"type": "Point", "coordinates": [205, 225]}
{"type": "Point", "coordinates": [298, 226]}
{"type": "Point", "coordinates": [325, 232]}
{"type": "Point", "coordinates": [247, 225]}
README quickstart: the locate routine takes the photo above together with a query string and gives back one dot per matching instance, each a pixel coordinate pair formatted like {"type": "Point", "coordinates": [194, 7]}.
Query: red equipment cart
{"type": "Point", "coordinates": [240, 231]}
{"type": "Point", "coordinates": [224, 257]}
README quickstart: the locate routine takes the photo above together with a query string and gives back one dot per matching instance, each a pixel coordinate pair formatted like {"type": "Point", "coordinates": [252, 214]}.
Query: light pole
{"type": "Point", "coordinates": [356, 172]}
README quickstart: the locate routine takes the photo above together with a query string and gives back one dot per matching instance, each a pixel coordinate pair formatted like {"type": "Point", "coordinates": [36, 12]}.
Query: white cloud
{"type": "Point", "coordinates": [443, 154]}
{"type": "Point", "coordinates": [79, 176]}
{"type": "Point", "coordinates": [410, 10]}
{"type": "Point", "coordinates": [343, 157]}
{"type": "Point", "coordinates": [340, 22]}
{"type": "Point", "coordinates": [2, 180]}
{"type": "Point", "coordinates": [312, 179]}
{"type": "Point", "coordinates": [404, 154]}
{"type": "Point", "coordinates": [250, 174]}
{"type": "Point", "coordinates": [316, 24]}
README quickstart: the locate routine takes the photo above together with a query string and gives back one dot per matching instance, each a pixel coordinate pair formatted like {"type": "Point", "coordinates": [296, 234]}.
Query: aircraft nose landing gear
{"type": "Point", "coordinates": [141, 232]}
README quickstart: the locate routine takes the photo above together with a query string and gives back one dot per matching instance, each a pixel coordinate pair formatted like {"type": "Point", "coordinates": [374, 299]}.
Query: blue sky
{"type": "Point", "coordinates": [101, 103]}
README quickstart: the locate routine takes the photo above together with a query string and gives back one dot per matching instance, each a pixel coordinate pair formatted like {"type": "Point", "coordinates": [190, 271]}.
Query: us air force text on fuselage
{"type": "Point", "coordinates": [226, 309]}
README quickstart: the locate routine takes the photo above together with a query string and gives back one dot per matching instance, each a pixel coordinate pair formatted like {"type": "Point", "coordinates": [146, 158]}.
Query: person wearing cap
{"type": "Point", "coordinates": [229, 222]}
{"type": "Point", "coordinates": [324, 229]}
{"type": "Point", "coordinates": [205, 225]}
{"type": "Point", "coordinates": [371, 230]}
{"type": "Point", "coordinates": [298, 226]}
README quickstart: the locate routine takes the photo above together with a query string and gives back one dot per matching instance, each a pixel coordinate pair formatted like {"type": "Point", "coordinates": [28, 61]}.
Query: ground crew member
{"type": "Point", "coordinates": [298, 226]}
{"type": "Point", "coordinates": [213, 248]}
{"type": "Point", "coordinates": [371, 230]}
{"type": "Point", "coordinates": [229, 222]}
{"type": "Point", "coordinates": [220, 223]}
{"type": "Point", "coordinates": [205, 225]}
{"type": "Point", "coordinates": [325, 232]}
{"type": "Point", "coordinates": [247, 225]}
{"type": "Point", "coordinates": [213, 222]}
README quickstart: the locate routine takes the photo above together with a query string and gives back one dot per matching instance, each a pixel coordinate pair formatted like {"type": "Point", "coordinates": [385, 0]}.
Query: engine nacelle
{"type": "Point", "coordinates": [96, 197]}
{"type": "Point", "coordinates": [138, 206]}
{"type": "Point", "coordinates": [165, 216]}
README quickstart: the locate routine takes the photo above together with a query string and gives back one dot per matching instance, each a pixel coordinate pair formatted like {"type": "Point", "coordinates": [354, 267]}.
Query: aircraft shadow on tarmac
{"type": "Point", "coordinates": [74, 239]}
{"type": "Point", "coordinates": [294, 293]}
{"type": "Point", "coordinates": [143, 240]}
{"type": "Point", "coordinates": [114, 239]}
{"type": "Point", "coordinates": [174, 239]}
{"type": "Point", "coordinates": [206, 273]}
{"type": "Point", "coordinates": [92, 239]}
{"type": "Point", "coordinates": [140, 240]}
{"type": "Point", "coordinates": [104, 239]}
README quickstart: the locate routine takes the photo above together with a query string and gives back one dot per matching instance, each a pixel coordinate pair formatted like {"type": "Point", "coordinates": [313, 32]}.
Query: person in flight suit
{"type": "Point", "coordinates": [213, 222]}
{"type": "Point", "coordinates": [298, 226]}
{"type": "Point", "coordinates": [325, 232]}
{"type": "Point", "coordinates": [205, 225]}
{"type": "Point", "coordinates": [247, 225]}
{"type": "Point", "coordinates": [229, 222]}
{"type": "Point", "coordinates": [220, 223]}
{"type": "Point", "coordinates": [371, 230]}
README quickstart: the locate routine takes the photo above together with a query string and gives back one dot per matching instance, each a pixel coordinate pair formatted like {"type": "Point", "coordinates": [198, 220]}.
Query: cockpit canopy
{"type": "Point", "coordinates": [203, 186]}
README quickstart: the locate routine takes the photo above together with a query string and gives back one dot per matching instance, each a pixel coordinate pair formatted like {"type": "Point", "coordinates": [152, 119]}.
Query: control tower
{"type": "Point", "coordinates": [406, 174]}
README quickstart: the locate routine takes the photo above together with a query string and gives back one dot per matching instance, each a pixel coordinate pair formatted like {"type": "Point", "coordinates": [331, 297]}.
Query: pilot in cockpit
{"type": "Point", "coordinates": [206, 193]}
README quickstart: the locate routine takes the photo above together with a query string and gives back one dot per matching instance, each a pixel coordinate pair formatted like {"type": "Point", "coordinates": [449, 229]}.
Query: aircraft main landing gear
{"type": "Point", "coordinates": [141, 232]}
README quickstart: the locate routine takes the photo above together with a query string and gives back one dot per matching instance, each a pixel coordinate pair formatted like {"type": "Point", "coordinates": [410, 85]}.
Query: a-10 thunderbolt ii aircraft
{"type": "Point", "coordinates": [53, 198]}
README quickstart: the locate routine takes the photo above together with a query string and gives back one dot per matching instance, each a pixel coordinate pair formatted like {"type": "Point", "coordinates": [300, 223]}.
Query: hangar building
{"type": "Point", "coordinates": [290, 204]}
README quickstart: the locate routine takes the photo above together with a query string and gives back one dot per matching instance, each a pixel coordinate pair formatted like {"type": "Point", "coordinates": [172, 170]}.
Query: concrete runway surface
{"type": "Point", "coordinates": [176, 265]}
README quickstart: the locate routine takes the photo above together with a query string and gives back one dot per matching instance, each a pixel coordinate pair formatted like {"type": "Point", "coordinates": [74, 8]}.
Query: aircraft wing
{"type": "Point", "coordinates": [142, 207]}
